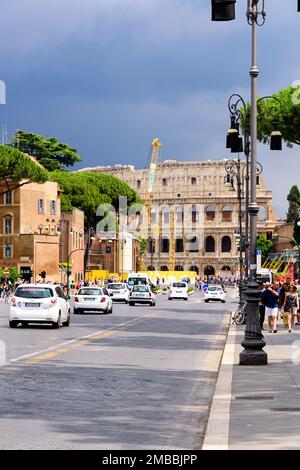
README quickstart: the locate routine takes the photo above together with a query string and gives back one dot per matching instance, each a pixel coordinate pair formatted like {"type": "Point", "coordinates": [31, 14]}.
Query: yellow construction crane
{"type": "Point", "coordinates": [154, 160]}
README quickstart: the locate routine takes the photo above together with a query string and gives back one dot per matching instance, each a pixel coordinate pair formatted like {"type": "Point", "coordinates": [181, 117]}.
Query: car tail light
{"type": "Point", "coordinates": [53, 301]}
{"type": "Point", "coordinates": [13, 302]}
{"type": "Point", "coordinates": [102, 299]}
{"type": "Point", "coordinates": [76, 299]}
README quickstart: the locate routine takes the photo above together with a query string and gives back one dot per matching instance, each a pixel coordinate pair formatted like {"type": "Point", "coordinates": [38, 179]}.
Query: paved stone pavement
{"type": "Point", "coordinates": [257, 407]}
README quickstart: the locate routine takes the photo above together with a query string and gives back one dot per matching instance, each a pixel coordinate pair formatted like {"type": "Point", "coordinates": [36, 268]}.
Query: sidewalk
{"type": "Point", "coordinates": [257, 407]}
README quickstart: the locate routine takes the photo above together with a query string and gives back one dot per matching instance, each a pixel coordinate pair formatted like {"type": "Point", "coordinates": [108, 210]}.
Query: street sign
{"type": "Point", "coordinates": [6, 272]}
{"type": "Point", "coordinates": [258, 260]}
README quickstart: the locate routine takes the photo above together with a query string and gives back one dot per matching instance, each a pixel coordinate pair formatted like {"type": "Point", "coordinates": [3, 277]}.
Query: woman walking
{"type": "Point", "coordinates": [291, 305]}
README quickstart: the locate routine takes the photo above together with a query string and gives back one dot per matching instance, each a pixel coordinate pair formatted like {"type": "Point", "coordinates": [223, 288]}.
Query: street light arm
{"type": "Point", "coordinates": [68, 269]}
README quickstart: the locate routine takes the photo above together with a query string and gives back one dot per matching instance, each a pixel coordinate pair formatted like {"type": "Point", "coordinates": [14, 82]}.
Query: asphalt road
{"type": "Point", "coordinates": [141, 378]}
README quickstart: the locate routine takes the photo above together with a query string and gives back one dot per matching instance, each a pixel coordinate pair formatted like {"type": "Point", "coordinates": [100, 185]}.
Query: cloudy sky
{"type": "Point", "coordinates": [108, 76]}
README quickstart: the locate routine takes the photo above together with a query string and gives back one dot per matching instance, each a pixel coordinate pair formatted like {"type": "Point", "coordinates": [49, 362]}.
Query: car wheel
{"type": "Point", "coordinates": [153, 304]}
{"type": "Point", "coordinates": [67, 322]}
{"type": "Point", "coordinates": [206, 301]}
{"type": "Point", "coordinates": [111, 309]}
{"type": "Point", "coordinates": [170, 298]}
{"type": "Point", "coordinates": [186, 298]}
{"type": "Point", "coordinates": [13, 324]}
{"type": "Point", "coordinates": [77, 311]}
{"type": "Point", "coordinates": [57, 324]}
{"type": "Point", "coordinates": [223, 301]}
{"type": "Point", "coordinates": [131, 304]}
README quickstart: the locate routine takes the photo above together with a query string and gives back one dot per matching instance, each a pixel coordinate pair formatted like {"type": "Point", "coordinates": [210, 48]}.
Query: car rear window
{"type": "Point", "coordinates": [215, 289]}
{"type": "Point", "coordinates": [140, 289]}
{"type": "Point", "coordinates": [116, 286]}
{"type": "Point", "coordinates": [90, 292]}
{"type": "Point", "coordinates": [34, 292]}
{"type": "Point", "coordinates": [179, 284]}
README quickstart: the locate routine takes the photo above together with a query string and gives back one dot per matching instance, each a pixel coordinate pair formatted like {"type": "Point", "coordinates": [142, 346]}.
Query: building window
{"type": "Point", "coordinates": [138, 183]}
{"type": "Point", "coordinates": [8, 198]}
{"type": "Point", "coordinates": [194, 214]}
{"type": "Point", "coordinates": [210, 213]}
{"type": "Point", "coordinates": [8, 224]}
{"type": "Point", "coordinates": [8, 250]}
{"type": "Point", "coordinates": [210, 245]}
{"type": "Point", "coordinates": [41, 206]}
{"type": "Point", "coordinates": [194, 181]}
{"type": "Point", "coordinates": [179, 245]}
{"type": "Point", "coordinates": [227, 214]}
{"type": "Point", "coordinates": [52, 207]}
{"type": "Point", "coordinates": [179, 215]}
{"type": "Point", "coordinates": [165, 245]}
{"type": "Point", "coordinates": [165, 182]}
{"type": "Point", "coordinates": [166, 216]}
{"type": "Point", "coordinates": [226, 244]}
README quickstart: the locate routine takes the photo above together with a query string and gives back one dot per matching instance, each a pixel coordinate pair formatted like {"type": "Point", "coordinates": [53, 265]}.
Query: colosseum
{"type": "Point", "coordinates": [206, 214]}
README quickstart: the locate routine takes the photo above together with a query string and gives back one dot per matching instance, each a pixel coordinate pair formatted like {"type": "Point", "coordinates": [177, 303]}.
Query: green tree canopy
{"type": "Point", "coordinates": [17, 169]}
{"type": "Point", "coordinates": [294, 205]}
{"type": "Point", "coordinates": [287, 115]}
{"type": "Point", "coordinates": [87, 191]}
{"type": "Point", "coordinates": [51, 153]}
{"type": "Point", "coordinates": [265, 246]}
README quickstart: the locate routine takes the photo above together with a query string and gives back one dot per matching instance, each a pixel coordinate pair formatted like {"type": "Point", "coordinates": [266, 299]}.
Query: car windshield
{"type": "Point", "coordinates": [215, 289]}
{"type": "Point", "coordinates": [90, 292]}
{"type": "Point", "coordinates": [116, 286]}
{"type": "Point", "coordinates": [34, 292]}
{"type": "Point", "coordinates": [179, 284]}
{"type": "Point", "coordinates": [140, 289]}
{"type": "Point", "coordinates": [137, 281]}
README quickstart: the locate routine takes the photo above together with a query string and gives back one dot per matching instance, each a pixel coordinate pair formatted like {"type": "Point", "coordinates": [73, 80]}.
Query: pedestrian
{"type": "Point", "coordinates": [270, 299]}
{"type": "Point", "coordinates": [291, 305]}
{"type": "Point", "coordinates": [283, 290]}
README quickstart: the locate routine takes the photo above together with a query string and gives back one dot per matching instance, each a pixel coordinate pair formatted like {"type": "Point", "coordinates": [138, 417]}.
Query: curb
{"type": "Point", "coordinates": [217, 429]}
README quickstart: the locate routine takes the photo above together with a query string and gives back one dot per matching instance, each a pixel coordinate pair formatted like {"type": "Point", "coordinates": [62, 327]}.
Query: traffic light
{"type": "Point", "coordinates": [223, 10]}
{"type": "Point", "coordinates": [43, 274]}
{"type": "Point", "coordinates": [237, 239]}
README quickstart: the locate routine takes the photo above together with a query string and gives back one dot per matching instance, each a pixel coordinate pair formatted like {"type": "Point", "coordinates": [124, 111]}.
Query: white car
{"type": "Point", "coordinates": [178, 290]}
{"type": "Point", "coordinates": [118, 291]}
{"type": "Point", "coordinates": [141, 295]}
{"type": "Point", "coordinates": [214, 293]}
{"type": "Point", "coordinates": [38, 303]}
{"type": "Point", "coordinates": [92, 299]}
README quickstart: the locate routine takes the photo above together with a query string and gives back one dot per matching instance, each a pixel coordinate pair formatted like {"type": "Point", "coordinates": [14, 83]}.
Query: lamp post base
{"type": "Point", "coordinates": [253, 357]}
{"type": "Point", "coordinates": [253, 343]}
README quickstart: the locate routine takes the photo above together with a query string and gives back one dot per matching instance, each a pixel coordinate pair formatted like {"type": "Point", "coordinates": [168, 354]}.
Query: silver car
{"type": "Point", "coordinates": [141, 295]}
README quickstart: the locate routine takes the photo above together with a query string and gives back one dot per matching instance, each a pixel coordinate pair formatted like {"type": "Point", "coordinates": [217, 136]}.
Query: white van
{"type": "Point", "coordinates": [178, 290]}
{"type": "Point", "coordinates": [136, 279]}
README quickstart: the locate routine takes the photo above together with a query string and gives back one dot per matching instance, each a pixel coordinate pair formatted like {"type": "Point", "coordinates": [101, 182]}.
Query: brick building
{"type": "Point", "coordinates": [29, 235]}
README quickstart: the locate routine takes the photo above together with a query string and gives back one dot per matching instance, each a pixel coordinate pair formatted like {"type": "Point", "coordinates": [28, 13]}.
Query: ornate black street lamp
{"type": "Point", "coordinates": [239, 170]}
{"type": "Point", "coordinates": [253, 343]}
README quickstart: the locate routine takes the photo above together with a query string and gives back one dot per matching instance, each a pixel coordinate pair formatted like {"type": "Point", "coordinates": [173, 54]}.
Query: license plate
{"type": "Point", "coordinates": [32, 305]}
{"type": "Point", "coordinates": [178, 292]}
{"type": "Point", "coordinates": [89, 299]}
{"type": "Point", "coordinates": [140, 295]}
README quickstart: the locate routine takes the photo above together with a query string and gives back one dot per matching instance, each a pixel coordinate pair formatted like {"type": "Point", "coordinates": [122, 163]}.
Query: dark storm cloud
{"type": "Point", "coordinates": [107, 76]}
